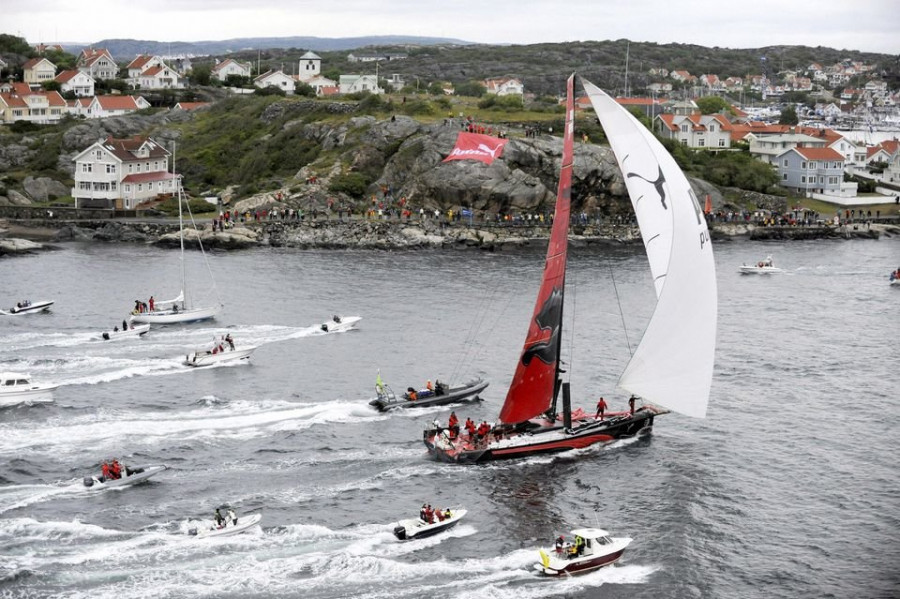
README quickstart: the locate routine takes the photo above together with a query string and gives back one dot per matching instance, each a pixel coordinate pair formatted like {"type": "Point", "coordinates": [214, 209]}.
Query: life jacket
{"type": "Point", "coordinates": [454, 421]}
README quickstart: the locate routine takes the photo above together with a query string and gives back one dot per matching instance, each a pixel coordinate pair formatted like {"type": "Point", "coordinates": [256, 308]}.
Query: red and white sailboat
{"type": "Point", "coordinates": [672, 366]}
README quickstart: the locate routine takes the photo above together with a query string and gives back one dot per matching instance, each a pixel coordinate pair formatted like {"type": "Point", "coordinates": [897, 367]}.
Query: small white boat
{"type": "Point", "coordinates": [593, 548]}
{"type": "Point", "coordinates": [338, 324]}
{"type": "Point", "coordinates": [417, 528]}
{"type": "Point", "coordinates": [134, 331]}
{"type": "Point", "coordinates": [208, 358]}
{"type": "Point", "coordinates": [16, 388]}
{"type": "Point", "coordinates": [28, 307]}
{"type": "Point", "coordinates": [228, 529]}
{"type": "Point", "coordinates": [131, 476]}
{"type": "Point", "coordinates": [763, 267]}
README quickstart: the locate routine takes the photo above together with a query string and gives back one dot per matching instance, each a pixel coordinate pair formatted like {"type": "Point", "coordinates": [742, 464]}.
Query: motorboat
{"type": "Point", "coordinates": [228, 528]}
{"type": "Point", "coordinates": [28, 307]}
{"type": "Point", "coordinates": [338, 324]}
{"type": "Point", "coordinates": [593, 548]}
{"type": "Point", "coordinates": [763, 267]}
{"type": "Point", "coordinates": [16, 388]}
{"type": "Point", "coordinates": [131, 475]}
{"type": "Point", "coordinates": [222, 351]}
{"type": "Point", "coordinates": [441, 395]}
{"type": "Point", "coordinates": [417, 528]}
{"type": "Point", "coordinates": [895, 278]}
{"type": "Point", "coordinates": [131, 332]}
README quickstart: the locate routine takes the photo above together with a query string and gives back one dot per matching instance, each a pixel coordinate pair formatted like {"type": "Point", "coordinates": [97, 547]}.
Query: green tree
{"type": "Point", "coordinates": [436, 89]}
{"type": "Point", "coordinates": [11, 44]}
{"type": "Point", "coordinates": [304, 89]}
{"type": "Point", "coordinates": [472, 89]}
{"type": "Point", "coordinates": [713, 104]}
{"type": "Point", "coordinates": [788, 116]}
{"type": "Point", "coordinates": [51, 86]}
{"type": "Point", "coordinates": [201, 74]}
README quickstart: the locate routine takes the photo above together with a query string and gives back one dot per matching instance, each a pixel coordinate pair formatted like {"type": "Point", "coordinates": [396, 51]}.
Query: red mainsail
{"type": "Point", "coordinates": [475, 146]}
{"type": "Point", "coordinates": [531, 391]}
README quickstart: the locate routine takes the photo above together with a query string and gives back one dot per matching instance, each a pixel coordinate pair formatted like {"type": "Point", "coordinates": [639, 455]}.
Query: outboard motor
{"type": "Point", "coordinates": [106, 336]}
{"type": "Point", "coordinates": [400, 532]}
{"type": "Point", "coordinates": [192, 532]}
{"type": "Point", "coordinates": [88, 481]}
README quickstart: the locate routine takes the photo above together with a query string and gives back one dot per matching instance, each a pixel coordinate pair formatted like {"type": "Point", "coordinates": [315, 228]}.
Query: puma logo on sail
{"type": "Point", "coordinates": [548, 319]}
{"type": "Point", "coordinates": [658, 184]}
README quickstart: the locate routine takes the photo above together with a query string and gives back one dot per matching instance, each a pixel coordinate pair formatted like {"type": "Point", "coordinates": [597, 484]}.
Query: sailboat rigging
{"type": "Point", "coordinates": [671, 367]}
{"type": "Point", "coordinates": [180, 309]}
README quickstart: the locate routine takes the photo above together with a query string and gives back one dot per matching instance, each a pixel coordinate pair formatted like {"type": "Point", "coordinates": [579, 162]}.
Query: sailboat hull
{"type": "Point", "coordinates": [173, 317]}
{"type": "Point", "coordinates": [547, 438]}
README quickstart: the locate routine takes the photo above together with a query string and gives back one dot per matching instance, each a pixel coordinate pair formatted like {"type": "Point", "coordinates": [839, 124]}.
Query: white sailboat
{"type": "Point", "coordinates": [179, 309]}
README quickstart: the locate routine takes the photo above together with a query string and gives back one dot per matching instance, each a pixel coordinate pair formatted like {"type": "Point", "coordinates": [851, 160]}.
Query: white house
{"type": "Point", "coordinates": [706, 131]}
{"type": "Point", "coordinates": [504, 86]}
{"type": "Point", "coordinates": [99, 64]}
{"type": "Point", "coordinates": [350, 84]}
{"type": "Point", "coordinates": [813, 171]}
{"type": "Point", "coordinates": [81, 84]}
{"type": "Point", "coordinates": [319, 83]}
{"type": "Point", "coordinates": [104, 106]}
{"type": "Point", "coordinates": [121, 173]}
{"type": "Point", "coordinates": [310, 66]}
{"type": "Point", "coordinates": [23, 104]}
{"type": "Point", "coordinates": [222, 70]}
{"type": "Point", "coordinates": [768, 147]}
{"type": "Point", "coordinates": [39, 70]}
{"type": "Point", "coordinates": [151, 72]}
{"type": "Point", "coordinates": [275, 79]}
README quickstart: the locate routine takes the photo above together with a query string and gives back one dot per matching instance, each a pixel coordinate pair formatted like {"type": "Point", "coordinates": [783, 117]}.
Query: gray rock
{"type": "Point", "coordinates": [16, 198]}
{"type": "Point", "coordinates": [40, 189]}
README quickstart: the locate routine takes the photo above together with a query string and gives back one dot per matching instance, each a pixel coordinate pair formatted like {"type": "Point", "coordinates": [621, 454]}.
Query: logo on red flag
{"type": "Point", "coordinates": [475, 146]}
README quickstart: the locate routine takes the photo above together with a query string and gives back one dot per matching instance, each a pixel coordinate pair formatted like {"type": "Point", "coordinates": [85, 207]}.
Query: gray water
{"type": "Point", "coordinates": [789, 487]}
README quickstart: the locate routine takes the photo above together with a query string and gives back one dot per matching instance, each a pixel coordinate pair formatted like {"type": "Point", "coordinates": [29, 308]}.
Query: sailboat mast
{"type": "Point", "coordinates": [180, 230]}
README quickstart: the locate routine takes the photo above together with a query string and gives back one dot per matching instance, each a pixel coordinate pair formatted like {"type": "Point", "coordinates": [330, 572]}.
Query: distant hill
{"type": "Point", "coordinates": [124, 49]}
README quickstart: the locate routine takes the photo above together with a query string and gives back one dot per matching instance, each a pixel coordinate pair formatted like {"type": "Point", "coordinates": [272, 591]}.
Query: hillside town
{"type": "Point", "coordinates": [811, 154]}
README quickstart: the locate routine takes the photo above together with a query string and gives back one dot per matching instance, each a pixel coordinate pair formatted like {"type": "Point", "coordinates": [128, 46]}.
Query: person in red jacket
{"type": "Point", "coordinates": [453, 425]}
{"type": "Point", "coordinates": [115, 471]}
{"type": "Point", "coordinates": [105, 470]}
{"type": "Point", "coordinates": [470, 428]}
{"type": "Point", "coordinates": [601, 407]}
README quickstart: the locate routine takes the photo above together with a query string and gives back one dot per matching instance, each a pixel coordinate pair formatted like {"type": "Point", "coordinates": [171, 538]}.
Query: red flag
{"type": "Point", "coordinates": [474, 146]}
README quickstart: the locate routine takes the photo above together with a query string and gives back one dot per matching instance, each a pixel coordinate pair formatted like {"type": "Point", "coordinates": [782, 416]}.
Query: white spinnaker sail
{"type": "Point", "coordinates": [673, 364]}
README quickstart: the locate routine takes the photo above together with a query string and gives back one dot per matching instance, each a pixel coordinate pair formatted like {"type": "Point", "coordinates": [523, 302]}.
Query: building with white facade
{"type": "Point", "coordinates": [121, 173]}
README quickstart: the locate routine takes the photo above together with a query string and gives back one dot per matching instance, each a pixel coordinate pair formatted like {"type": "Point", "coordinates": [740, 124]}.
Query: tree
{"type": "Point", "coordinates": [788, 116]}
{"type": "Point", "coordinates": [473, 89]}
{"type": "Point", "coordinates": [436, 89]}
{"type": "Point", "coordinates": [201, 74]}
{"type": "Point", "coordinates": [51, 86]}
{"type": "Point", "coordinates": [712, 104]}
{"type": "Point", "coordinates": [304, 89]}
{"type": "Point", "coordinates": [11, 44]}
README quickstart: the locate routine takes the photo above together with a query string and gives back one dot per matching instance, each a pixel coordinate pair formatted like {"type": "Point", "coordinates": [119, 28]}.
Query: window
{"type": "Point", "coordinates": [86, 168]}
{"type": "Point", "coordinates": [137, 167]}
{"type": "Point", "coordinates": [84, 185]}
{"type": "Point", "coordinates": [701, 142]}
{"type": "Point", "coordinates": [684, 128]}
{"type": "Point", "coordinates": [803, 164]}
{"type": "Point", "coordinates": [98, 154]}
{"type": "Point", "coordinates": [127, 187]}
{"type": "Point", "coordinates": [140, 187]}
{"type": "Point", "coordinates": [785, 163]}
{"type": "Point", "coordinates": [684, 141]}
{"type": "Point", "coordinates": [110, 169]}
{"type": "Point", "coordinates": [712, 128]}
{"type": "Point", "coordinates": [784, 177]}
{"type": "Point", "coordinates": [130, 168]}
{"type": "Point", "coordinates": [803, 178]}
{"type": "Point", "coordinates": [113, 185]}
{"type": "Point", "coordinates": [721, 143]}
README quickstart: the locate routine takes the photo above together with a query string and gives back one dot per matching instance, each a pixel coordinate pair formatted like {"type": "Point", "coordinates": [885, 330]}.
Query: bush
{"type": "Point", "coordinates": [353, 184]}
{"type": "Point", "coordinates": [269, 90]}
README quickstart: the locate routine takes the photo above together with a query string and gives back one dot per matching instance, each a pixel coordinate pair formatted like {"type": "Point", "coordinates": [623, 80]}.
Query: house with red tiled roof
{"type": "Point", "coordinates": [318, 82]}
{"type": "Point", "coordinates": [105, 106]}
{"type": "Point", "coordinates": [700, 131]}
{"type": "Point", "coordinates": [23, 104]}
{"type": "Point", "coordinates": [81, 84]}
{"type": "Point", "coordinates": [228, 67]}
{"type": "Point", "coordinates": [98, 63]}
{"type": "Point", "coordinates": [80, 107]}
{"type": "Point", "coordinates": [151, 72]}
{"type": "Point", "coordinates": [121, 173]}
{"type": "Point", "coordinates": [711, 81]}
{"type": "Point", "coordinates": [649, 106]}
{"type": "Point", "coordinates": [813, 171]}
{"type": "Point", "coordinates": [191, 105]}
{"type": "Point", "coordinates": [41, 48]}
{"type": "Point", "coordinates": [38, 70]}
{"type": "Point", "coordinates": [504, 86]}
{"type": "Point", "coordinates": [329, 90]}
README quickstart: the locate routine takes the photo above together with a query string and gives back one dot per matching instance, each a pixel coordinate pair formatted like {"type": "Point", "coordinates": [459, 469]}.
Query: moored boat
{"type": "Point", "coordinates": [338, 323]}
{"type": "Point", "coordinates": [16, 388]}
{"type": "Point", "coordinates": [441, 395]}
{"type": "Point", "coordinates": [28, 307]}
{"type": "Point", "coordinates": [229, 527]}
{"type": "Point", "coordinates": [593, 548]}
{"type": "Point", "coordinates": [131, 475]}
{"type": "Point", "coordinates": [417, 528]}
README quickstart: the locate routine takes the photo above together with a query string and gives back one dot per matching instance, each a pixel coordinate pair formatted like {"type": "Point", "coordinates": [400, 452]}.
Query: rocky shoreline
{"type": "Point", "coordinates": [18, 238]}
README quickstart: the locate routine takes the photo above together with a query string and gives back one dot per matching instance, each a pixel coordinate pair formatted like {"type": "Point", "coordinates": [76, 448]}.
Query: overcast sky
{"type": "Point", "coordinates": [867, 25]}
